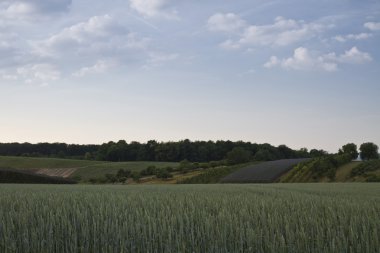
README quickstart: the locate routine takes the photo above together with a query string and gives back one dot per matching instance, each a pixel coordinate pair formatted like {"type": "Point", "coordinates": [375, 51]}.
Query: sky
{"type": "Point", "coordinates": [300, 73]}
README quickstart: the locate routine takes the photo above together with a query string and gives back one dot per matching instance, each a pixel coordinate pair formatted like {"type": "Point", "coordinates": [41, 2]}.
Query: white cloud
{"type": "Point", "coordinates": [355, 56]}
{"type": "Point", "coordinates": [101, 66]}
{"type": "Point", "coordinates": [372, 26]}
{"type": "Point", "coordinates": [154, 8]}
{"type": "Point", "coordinates": [40, 74]}
{"type": "Point", "coordinates": [282, 32]}
{"type": "Point", "coordinates": [360, 36]}
{"type": "Point", "coordinates": [96, 35]}
{"type": "Point", "coordinates": [228, 22]}
{"type": "Point", "coordinates": [303, 59]}
{"type": "Point", "coordinates": [273, 61]}
{"type": "Point", "coordinates": [31, 9]}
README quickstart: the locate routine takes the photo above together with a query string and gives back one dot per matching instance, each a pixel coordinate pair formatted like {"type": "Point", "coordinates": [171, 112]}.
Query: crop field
{"type": "Point", "coordinates": [190, 218]}
{"type": "Point", "coordinates": [266, 172]}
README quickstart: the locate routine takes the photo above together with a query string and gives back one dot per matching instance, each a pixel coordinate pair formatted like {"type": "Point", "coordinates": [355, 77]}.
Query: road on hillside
{"type": "Point", "coordinates": [266, 172]}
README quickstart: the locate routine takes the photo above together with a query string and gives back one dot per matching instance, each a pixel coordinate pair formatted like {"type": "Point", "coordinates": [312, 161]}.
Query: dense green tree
{"type": "Point", "coordinates": [238, 155]}
{"type": "Point", "coordinates": [369, 151]}
{"type": "Point", "coordinates": [195, 151]}
{"type": "Point", "coordinates": [350, 149]}
{"type": "Point", "coordinates": [286, 152]}
{"type": "Point", "coordinates": [264, 155]}
{"type": "Point", "coordinates": [318, 153]}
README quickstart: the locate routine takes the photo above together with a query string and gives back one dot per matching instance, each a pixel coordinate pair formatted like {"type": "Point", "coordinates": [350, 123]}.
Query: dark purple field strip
{"type": "Point", "coordinates": [266, 172]}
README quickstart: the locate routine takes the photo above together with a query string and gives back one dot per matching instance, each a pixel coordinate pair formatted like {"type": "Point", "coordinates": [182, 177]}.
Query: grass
{"type": "Point", "coordinates": [190, 218]}
{"type": "Point", "coordinates": [343, 173]}
{"type": "Point", "coordinates": [99, 170]}
{"type": "Point", "coordinates": [18, 162]}
{"type": "Point", "coordinates": [84, 169]}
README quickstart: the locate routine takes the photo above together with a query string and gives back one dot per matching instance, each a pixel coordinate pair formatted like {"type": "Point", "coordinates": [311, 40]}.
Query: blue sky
{"type": "Point", "coordinates": [300, 73]}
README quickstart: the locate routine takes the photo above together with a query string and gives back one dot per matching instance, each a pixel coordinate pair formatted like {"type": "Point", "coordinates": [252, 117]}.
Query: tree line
{"type": "Point", "coordinates": [194, 151]}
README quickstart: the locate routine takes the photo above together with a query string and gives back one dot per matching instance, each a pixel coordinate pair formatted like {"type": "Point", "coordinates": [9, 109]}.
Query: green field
{"type": "Point", "coordinates": [99, 170]}
{"type": "Point", "coordinates": [190, 218]}
{"type": "Point", "coordinates": [84, 169]}
{"type": "Point", "coordinates": [18, 162]}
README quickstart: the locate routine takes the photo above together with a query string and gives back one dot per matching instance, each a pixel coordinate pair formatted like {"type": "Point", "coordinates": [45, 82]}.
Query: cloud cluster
{"type": "Point", "coordinates": [359, 36]}
{"type": "Point", "coordinates": [98, 33]}
{"type": "Point", "coordinates": [94, 46]}
{"type": "Point", "coordinates": [372, 26]}
{"type": "Point", "coordinates": [154, 8]}
{"type": "Point", "coordinates": [228, 22]}
{"type": "Point", "coordinates": [303, 59]}
{"type": "Point", "coordinates": [281, 32]}
{"type": "Point", "coordinates": [29, 9]}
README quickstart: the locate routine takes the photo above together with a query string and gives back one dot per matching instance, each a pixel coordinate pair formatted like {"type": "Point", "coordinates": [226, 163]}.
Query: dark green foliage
{"type": "Point", "coordinates": [123, 173]}
{"type": "Point", "coordinates": [350, 149]}
{"type": "Point", "coordinates": [197, 151]}
{"type": "Point", "coordinates": [318, 153]}
{"type": "Point", "coordinates": [136, 176]}
{"type": "Point", "coordinates": [373, 178]}
{"type": "Point", "coordinates": [365, 167]}
{"type": "Point", "coordinates": [264, 155]}
{"type": "Point", "coordinates": [163, 173]}
{"type": "Point", "coordinates": [286, 152]}
{"type": "Point", "coordinates": [24, 177]}
{"type": "Point", "coordinates": [185, 166]}
{"type": "Point", "coordinates": [151, 170]}
{"type": "Point", "coordinates": [111, 178]}
{"type": "Point", "coordinates": [238, 155]}
{"type": "Point", "coordinates": [56, 150]}
{"type": "Point", "coordinates": [369, 151]}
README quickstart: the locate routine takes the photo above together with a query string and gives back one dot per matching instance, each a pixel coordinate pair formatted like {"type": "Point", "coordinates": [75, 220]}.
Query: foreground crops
{"type": "Point", "coordinates": [190, 218]}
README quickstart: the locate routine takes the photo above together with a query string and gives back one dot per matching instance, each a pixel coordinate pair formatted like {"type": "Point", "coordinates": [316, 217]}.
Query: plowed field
{"type": "Point", "coordinates": [266, 172]}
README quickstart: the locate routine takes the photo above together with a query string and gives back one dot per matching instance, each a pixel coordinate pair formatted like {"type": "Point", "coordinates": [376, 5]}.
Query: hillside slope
{"type": "Point", "coordinates": [82, 170]}
{"type": "Point", "coordinates": [318, 170]}
{"type": "Point", "coordinates": [266, 172]}
{"type": "Point", "coordinates": [25, 177]}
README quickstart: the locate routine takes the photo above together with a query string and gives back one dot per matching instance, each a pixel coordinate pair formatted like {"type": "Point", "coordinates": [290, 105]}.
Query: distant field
{"type": "Point", "coordinates": [12, 176]}
{"type": "Point", "coordinates": [266, 172]}
{"type": "Point", "coordinates": [295, 218]}
{"type": "Point", "coordinates": [99, 170]}
{"type": "Point", "coordinates": [82, 169]}
{"type": "Point", "coordinates": [17, 162]}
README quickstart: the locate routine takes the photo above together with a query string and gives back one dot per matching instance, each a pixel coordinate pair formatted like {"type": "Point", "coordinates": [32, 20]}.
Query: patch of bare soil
{"type": "Point", "coordinates": [63, 172]}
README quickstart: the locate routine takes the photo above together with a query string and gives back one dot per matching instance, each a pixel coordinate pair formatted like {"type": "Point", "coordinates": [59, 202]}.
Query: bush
{"type": "Point", "coordinates": [123, 173]}
{"type": "Point", "coordinates": [373, 178]}
{"type": "Point", "coordinates": [365, 167]}
{"type": "Point", "coordinates": [163, 173]}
